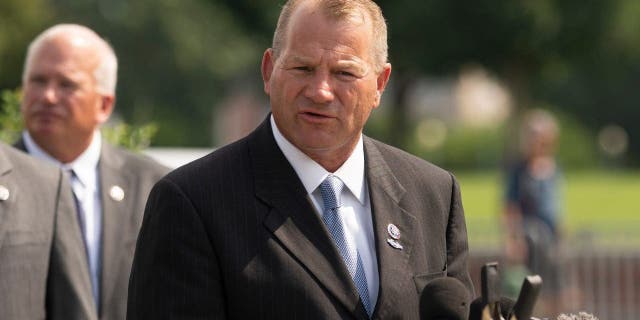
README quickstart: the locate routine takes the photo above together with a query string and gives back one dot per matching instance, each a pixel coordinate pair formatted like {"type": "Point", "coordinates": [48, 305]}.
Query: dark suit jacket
{"type": "Point", "coordinates": [41, 252]}
{"type": "Point", "coordinates": [121, 220]}
{"type": "Point", "coordinates": [233, 235]}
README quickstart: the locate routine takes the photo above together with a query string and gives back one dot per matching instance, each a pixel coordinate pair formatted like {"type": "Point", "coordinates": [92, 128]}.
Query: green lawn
{"type": "Point", "coordinates": [598, 205]}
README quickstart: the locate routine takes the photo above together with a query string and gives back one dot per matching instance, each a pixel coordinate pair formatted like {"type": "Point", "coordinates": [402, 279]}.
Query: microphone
{"type": "Point", "coordinates": [491, 306]}
{"type": "Point", "coordinates": [527, 298]}
{"type": "Point", "coordinates": [477, 311]}
{"type": "Point", "coordinates": [444, 298]}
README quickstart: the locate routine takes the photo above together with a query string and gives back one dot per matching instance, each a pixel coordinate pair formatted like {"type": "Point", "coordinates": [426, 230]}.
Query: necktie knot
{"type": "Point", "coordinates": [330, 189]}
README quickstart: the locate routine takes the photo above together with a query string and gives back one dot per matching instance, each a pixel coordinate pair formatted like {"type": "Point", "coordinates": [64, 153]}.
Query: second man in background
{"type": "Point", "coordinates": [69, 83]}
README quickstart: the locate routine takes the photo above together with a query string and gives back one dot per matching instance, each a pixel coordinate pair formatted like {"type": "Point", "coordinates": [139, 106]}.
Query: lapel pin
{"type": "Point", "coordinates": [4, 193]}
{"type": "Point", "coordinates": [116, 193]}
{"type": "Point", "coordinates": [395, 244]}
{"type": "Point", "coordinates": [393, 231]}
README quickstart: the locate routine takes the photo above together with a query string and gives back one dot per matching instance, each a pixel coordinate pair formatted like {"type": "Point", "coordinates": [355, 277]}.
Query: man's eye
{"type": "Point", "coordinates": [38, 80]}
{"type": "Point", "coordinates": [346, 74]}
{"type": "Point", "coordinates": [67, 85]}
{"type": "Point", "coordinates": [302, 68]}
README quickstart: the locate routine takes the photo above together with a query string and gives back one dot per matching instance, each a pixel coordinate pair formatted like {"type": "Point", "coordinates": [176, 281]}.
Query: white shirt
{"type": "Point", "coordinates": [85, 187]}
{"type": "Point", "coordinates": [356, 206]}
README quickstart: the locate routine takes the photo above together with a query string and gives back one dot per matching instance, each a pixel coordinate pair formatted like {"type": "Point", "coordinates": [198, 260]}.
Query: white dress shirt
{"type": "Point", "coordinates": [85, 187]}
{"type": "Point", "coordinates": [356, 206]}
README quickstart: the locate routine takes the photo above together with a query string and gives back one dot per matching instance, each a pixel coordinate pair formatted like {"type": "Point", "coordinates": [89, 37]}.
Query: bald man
{"type": "Point", "coordinates": [69, 82]}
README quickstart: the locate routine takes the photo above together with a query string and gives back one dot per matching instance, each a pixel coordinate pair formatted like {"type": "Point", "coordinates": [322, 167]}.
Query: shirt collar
{"type": "Point", "coordinates": [312, 174]}
{"type": "Point", "coordinates": [84, 166]}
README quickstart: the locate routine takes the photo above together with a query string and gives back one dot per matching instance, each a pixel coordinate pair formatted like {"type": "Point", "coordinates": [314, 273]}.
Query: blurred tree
{"type": "Point", "coordinates": [179, 58]}
{"type": "Point", "coordinates": [176, 58]}
{"type": "Point", "coordinates": [19, 21]}
{"type": "Point", "coordinates": [574, 54]}
{"type": "Point", "coordinates": [10, 118]}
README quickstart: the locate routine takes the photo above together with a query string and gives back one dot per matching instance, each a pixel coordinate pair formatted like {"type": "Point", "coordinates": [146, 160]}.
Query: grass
{"type": "Point", "coordinates": [600, 207]}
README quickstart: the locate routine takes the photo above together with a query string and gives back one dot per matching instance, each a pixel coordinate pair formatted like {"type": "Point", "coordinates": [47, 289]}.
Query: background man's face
{"type": "Point", "coordinates": [60, 98]}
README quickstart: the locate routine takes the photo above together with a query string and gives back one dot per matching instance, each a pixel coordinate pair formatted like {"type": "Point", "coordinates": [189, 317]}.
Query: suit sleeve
{"type": "Point", "coordinates": [68, 284]}
{"type": "Point", "coordinates": [175, 274]}
{"type": "Point", "coordinates": [457, 245]}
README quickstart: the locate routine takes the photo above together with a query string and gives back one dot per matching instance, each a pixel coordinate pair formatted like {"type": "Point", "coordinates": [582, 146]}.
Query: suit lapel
{"type": "Point", "coordinates": [20, 145]}
{"type": "Point", "coordinates": [386, 192]}
{"type": "Point", "coordinates": [294, 222]}
{"type": "Point", "coordinates": [114, 215]}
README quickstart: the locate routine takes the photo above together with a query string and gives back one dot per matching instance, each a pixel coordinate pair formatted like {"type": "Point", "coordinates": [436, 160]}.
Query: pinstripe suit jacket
{"type": "Point", "coordinates": [121, 219]}
{"type": "Point", "coordinates": [233, 235]}
{"type": "Point", "coordinates": [41, 252]}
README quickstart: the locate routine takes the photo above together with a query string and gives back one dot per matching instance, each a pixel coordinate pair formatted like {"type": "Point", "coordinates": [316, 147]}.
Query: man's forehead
{"type": "Point", "coordinates": [333, 56]}
{"type": "Point", "coordinates": [72, 50]}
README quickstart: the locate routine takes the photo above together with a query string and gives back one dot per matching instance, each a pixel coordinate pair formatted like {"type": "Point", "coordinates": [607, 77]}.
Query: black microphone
{"type": "Point", "coordinates": [490, 305]}
{"type": "Point", "coordinates": [444, 298]}
{"type": "Point", "coordinates": [527, 298]}
{"type": "Point", "coordinates": [478, 310]}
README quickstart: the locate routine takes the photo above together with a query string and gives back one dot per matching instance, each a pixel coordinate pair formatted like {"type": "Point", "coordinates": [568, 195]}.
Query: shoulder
{"type": "Point", "coordinates": [132, 163]}
{"type": "Point", "coordinates": [224, 163]}
{"type": "Point", "coordinates": [27, 167]}
{"type": "Point", "coordinates": [404, 165]}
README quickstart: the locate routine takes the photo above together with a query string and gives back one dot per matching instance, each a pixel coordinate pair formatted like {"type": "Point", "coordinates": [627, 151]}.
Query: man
{"type": "Point", "coordinates": [533, 201]}
{"type": "Point", "coordinates": [69, 84]}
{"type": "Point", "coordinates": [41, 254]}
{"type": "Point", "coordinates": [305, 218]}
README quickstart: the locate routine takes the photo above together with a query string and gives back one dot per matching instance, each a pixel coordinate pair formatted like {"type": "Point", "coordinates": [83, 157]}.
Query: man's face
{"type": "Point", "coordinates": [323, 85]}
{"type": "Point", "coordinates": [61, 102]}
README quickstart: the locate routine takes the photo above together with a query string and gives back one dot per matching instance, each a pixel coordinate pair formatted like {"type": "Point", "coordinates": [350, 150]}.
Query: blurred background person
{"type": "Point", "coordinates": [533, 207]}
{"type": "Point", "coordinates": [69, 83]}
{"type": "Point", "coordinates": [41, 253]}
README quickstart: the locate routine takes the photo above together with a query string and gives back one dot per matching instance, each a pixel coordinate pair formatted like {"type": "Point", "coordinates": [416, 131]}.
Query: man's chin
{"type": "Point", "coordinates": [44, 130]}
{"type": "Point", "coordinates": [317, 143]}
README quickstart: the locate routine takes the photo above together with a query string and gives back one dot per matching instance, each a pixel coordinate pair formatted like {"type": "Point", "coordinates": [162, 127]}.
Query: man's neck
{"type": "Point", "coordinates": [62, 150]}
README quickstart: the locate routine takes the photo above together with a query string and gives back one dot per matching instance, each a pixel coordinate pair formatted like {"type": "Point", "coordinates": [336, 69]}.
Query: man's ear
{"type": "Point", "coordinates": [105, 108]}
{"type": "Point", "coordinates": [267, 68]}
{"type": "Point", "coordinates": [381, 82]}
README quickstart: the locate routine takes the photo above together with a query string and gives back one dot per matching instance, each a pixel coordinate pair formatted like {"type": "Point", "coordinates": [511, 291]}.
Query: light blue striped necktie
{"type": "Point", "coordinates": [331, 189]}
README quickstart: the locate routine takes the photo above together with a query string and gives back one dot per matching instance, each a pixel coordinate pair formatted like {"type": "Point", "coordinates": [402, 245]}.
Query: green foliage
{"type": "Point", "coordinates": [464, 148]}
{"type": "Point", "coordinates": [473, 148]}
{"type": "Point", "coordinates": [20, 20]}
{"type": "Point", "coordinates": [131, 137]}
{"type": "Point", "coordinates": [576, 145]}
{"type": "Point", "coordinates": [10, 119]}
{"type": "Point", "coordinates": [178, 60]}
{"type": "Point", "coordinates": [121, 134]}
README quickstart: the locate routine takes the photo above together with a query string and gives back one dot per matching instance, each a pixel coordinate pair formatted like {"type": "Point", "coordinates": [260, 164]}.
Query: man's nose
{"type": "Point", "coordinates": [320, 90]}
{"type": "Point", "coordinates": [51, 93]}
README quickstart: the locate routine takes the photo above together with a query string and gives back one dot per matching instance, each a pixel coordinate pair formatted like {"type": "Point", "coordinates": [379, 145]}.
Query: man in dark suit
{"type": "Point", "coordinates": [305, 218]}
{"type": "Point", "coordinates": [69, 84]}
{"type": "Point", "coordinates": [41, 254]}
